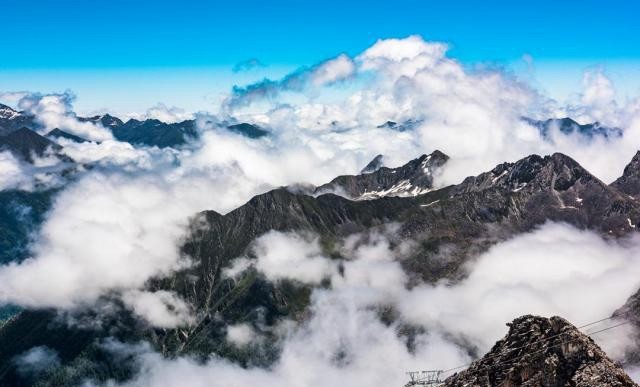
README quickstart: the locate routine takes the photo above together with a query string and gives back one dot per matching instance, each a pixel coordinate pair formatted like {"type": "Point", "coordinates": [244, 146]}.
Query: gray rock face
{"type": "Point", "coordinates": [373, 165]}
{"type": "Point", "coordinates": [412, 179]}
{"type": "Point", "coordinates": [556, 188]}
{"type": "Point", "coordinates": [629, 182]}
{"type": "Point", "coordinates": [543, 352]}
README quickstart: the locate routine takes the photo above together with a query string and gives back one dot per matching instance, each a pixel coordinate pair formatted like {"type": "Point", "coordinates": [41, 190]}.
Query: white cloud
{"type": "Point", "coordinates": [288, 256]}
{"type": "Point", "coordinates": [44, 172]}
{"type": "Point", "coordinates": [55, 111]}
{"type": "Point", "coordinates": [168, 114]}
{"type": "Point", "coordinates": [140, 219]}
{"type": "Point", "coordinates": [472, 114]}
{"type": "Point", "coordinates": [240, 334]}
{"type": "Point", "coordinates": [333, 70]}
{"type": "Point", "coordinates": [11, 171]}
{"type": "Point", "coordinates": [118, 154]}
{"type": "Point", "coordinates": [164, 309]}
{"type": "Point", "coordinates": [556, 270]}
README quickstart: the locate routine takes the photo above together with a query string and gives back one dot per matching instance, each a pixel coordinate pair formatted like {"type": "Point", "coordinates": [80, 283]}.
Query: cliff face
{"type": "Point", "coordinates": [543, 352]}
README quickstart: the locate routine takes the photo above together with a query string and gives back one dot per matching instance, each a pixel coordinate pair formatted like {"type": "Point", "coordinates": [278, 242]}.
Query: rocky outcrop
{"type": "Point", "coordinates": [629, 182]}
{"type": "Point", "coordinates": [543, 352]}
{"type": "Point", "coordinates": [412, 179]}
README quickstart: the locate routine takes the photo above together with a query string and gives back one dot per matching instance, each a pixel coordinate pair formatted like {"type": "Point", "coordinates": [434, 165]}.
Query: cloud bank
{"type": "Point", "coordinates": [557, 269]}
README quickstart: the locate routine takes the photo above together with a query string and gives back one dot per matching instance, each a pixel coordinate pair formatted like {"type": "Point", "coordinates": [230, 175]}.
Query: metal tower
{"type": "Point", "coordinates": [424, 378]}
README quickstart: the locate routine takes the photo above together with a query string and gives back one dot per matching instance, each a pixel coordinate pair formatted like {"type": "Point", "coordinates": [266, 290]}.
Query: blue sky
{"type": "Point", "coordinates": [129, 55]}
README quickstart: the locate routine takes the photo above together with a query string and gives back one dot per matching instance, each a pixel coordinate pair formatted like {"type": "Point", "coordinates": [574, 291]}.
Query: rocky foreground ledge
{"type": "Point", "coordinates": [543, 352]}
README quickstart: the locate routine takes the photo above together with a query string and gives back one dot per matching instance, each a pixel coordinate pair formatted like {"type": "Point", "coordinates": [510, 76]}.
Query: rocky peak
{"type": "Point", "coordinates": [412, 179]}
{"type": "Point", "coordinates": [558, 172]}
{"type": "Point", "coordinates": [629, 182]}
{"type": "Point", "coordinates": [373, 165]}
{"type": "Point", "coordinates": [543, 352]}
{"type": "Point", "coordinates": [109, 121]}
{"type": "Point", "coordinates": [8, 113]}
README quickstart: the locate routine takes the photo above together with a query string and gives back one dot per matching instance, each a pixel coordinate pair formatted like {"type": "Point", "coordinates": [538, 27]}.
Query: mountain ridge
{"type": "Point", "coordinates": [462, 220]}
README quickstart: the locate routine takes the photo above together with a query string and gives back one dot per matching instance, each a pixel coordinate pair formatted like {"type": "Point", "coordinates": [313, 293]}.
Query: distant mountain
{"type": "Point", "coordinates": [543, 352]}
{"type": "Point", "coordinates": [12, 120]}
{"type": "Point", "coordinates": [153, 132]}
{"type": "Point", "coordinates": [564, 125]}
{"type": "Point", "coordinates": [108, 121]}
{"type": "Point", "coordinates": [569, 126]}
{"type": "Point", "coordinates": [414, 178]}
{"type": "Point", "coordinates": [248, 130]}
{"type": "Point", "coordinates": [27, 144]}
{"type": "Point", "coordinates": [401, 127]}
{"type": "Point", "coordinates": [57, 134]}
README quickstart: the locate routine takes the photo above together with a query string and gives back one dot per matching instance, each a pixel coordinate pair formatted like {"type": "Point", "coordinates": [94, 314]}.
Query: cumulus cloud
{"type": "Point", "coordinates": [55, 111]}
{"type": "Point", "coordinates": [111, 153]}
{"type": "Point", "coordinates": [140, 219]}
{"type": "Point", "coordinates": [11, 171]}
{"type": "Point", "coordinates": [288, 256]}
{"type": "Point", "coordinates": [474, 114]}
{"type": "Point", "coordinates": [168, 114]}
{"type": "Point", "coordinates": [44, 172]}
{"type": "Point", "coordinates": [240, 334]}
{"type": "Point", "coordinates": [322, 74]}
{"type": "Point", "coordinates": [161, 308]}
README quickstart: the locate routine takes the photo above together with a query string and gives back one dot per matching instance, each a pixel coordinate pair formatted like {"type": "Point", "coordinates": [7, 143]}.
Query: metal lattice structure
{"type": "Point", "coordinates": [424, 378]}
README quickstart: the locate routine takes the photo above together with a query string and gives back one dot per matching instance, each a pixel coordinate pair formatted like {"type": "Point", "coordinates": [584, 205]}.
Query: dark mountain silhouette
{"type": "Point", "coordinates": [57, 134]}
{"type": "Point", "coordinates": [27, 144]}
{"type": "Point", "coordinates": [568, 126]}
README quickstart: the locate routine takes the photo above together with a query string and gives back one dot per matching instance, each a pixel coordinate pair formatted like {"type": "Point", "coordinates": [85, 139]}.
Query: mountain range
{"type": "Point", "coordinates": [465, 219]}
{"type": "Point", "coordinates": [148, 132]}
{"type": "Point", "coordinates": [462, 221]}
